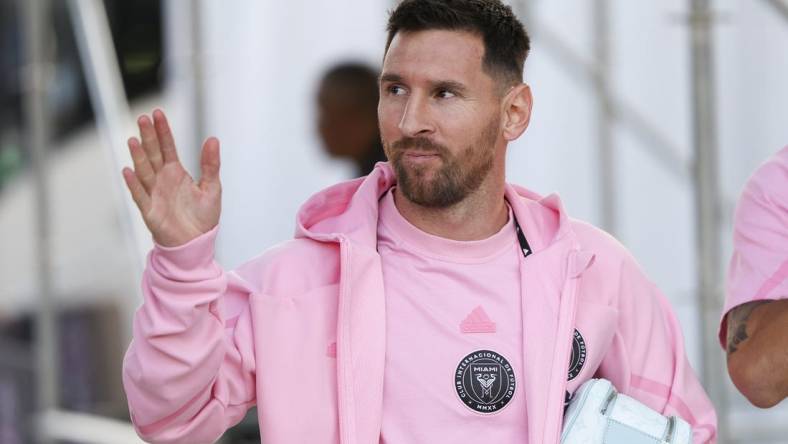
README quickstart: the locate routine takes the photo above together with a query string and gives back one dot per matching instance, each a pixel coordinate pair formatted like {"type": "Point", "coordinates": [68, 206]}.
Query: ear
{"type": "Point", "coordinates": [517, 111]}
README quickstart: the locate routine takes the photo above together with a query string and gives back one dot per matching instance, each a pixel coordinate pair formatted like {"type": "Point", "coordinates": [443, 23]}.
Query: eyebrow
{"type": "Point", "coordinates": [438, 84]}
{"type": "Point", "coordinates": [388, 77]}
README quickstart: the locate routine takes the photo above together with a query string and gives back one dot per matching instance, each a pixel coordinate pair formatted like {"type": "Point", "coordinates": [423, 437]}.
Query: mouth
{"type": "Point", "coordinates": [419, 157]}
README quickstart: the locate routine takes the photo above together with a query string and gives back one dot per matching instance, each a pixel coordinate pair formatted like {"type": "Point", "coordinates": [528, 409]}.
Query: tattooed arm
{"type": "Point", "coordinates": [758, 350]}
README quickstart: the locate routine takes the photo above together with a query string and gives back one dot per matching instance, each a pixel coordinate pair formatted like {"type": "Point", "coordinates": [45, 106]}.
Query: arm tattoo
{"type": "Point", "coordinates": [737, 324]}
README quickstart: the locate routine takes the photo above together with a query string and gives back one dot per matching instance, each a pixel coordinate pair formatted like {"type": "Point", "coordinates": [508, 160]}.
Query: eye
{"type": "Point", "coordinates": [445, 94]}
{"type": "Point", "coordinates": [395, 90]}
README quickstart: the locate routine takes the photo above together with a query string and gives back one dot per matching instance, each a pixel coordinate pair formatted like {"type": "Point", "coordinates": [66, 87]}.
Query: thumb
{"type": "Point", "coordinates": [209, 162]}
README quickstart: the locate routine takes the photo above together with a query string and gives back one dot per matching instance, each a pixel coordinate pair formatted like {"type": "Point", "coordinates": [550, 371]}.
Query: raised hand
{"type": "Point", "coordinates": [176, 209]}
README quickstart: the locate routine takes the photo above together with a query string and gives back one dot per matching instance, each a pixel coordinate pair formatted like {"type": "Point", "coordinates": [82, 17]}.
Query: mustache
{"type": "Point", "coordinates": [419, 144]}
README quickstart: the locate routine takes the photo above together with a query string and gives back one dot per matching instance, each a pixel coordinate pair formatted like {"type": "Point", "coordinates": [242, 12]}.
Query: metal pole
{"type": "Point", "coordinates": [781, 6]}
{"type": "Point", "coordinates": [36, 74]}
{"type": "Point", "coordinates": [707, 203]}
{"type": "Point", "coordinates": [604, 117]}
{"type": "Point", "coordinates": [198, 111]}
{"type": "Point", "coordinates": [97, 53]}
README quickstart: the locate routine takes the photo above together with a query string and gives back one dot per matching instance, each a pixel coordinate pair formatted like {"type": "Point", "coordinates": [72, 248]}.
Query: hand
{"type": "Point", "coordinates": [176, 209]}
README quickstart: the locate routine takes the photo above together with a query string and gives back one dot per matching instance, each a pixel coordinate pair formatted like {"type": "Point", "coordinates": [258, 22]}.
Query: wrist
{"type": "Point", "coordinates": [181, 262]}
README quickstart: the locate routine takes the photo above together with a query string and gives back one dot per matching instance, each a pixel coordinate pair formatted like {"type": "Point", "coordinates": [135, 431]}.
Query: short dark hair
{"type": "Point", "coordinates": [506, 43]}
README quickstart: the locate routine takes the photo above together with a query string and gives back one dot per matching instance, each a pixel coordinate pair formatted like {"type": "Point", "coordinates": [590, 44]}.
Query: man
{"type": "Point", "coordinates": [430, 302]}
{"type": "Point", "coordinates": [756, 309]}
{"type": "Point", "coordinates": [347, 102]}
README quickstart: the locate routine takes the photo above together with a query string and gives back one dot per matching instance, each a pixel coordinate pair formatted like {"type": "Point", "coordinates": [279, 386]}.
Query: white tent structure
{"type": "Point", "coordinates": [648, 118]}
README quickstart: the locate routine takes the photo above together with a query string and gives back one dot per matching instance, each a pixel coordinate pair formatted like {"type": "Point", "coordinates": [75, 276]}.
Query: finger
{"type": "Point", "coordinates": [150, 142]}
{"type": "Point", "coordinates": [142, 167]}
{"type": "Point", "coordinates": [166, 140]}
{"type": "Point", "coordinates": [210, 162]}
{"type": "Point", "coordinates": [141, 198]}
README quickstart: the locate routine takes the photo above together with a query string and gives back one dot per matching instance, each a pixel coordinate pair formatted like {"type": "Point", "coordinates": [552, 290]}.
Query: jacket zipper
{"type": "Point", "coordinates": [346, 408]}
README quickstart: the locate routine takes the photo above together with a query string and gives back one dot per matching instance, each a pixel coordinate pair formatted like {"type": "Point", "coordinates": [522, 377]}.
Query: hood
{"type": "Point", "coordinates": [350, 210]}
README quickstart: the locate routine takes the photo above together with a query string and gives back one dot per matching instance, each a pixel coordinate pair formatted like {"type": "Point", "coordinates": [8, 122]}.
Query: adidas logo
{"type": "Point", "coordinates": [477, 322]}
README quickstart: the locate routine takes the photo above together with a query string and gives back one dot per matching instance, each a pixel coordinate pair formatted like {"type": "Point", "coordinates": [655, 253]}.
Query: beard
{"type": "Point", "coordinates": [458, 175]}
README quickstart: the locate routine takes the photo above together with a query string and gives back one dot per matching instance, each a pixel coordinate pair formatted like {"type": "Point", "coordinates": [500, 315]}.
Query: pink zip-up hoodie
{"type": "Point", "coordinates": [300, 330]}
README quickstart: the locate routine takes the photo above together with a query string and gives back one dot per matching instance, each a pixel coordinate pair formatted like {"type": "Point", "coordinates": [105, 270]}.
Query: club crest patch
{"type": "Point", "coordinates": [578, 358]}
{"type": "Point", "coordinates": [484, 381]}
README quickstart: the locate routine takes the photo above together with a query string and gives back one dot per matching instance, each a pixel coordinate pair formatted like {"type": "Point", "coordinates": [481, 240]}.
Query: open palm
{"type": "Point", "coordinates": [176, 209]}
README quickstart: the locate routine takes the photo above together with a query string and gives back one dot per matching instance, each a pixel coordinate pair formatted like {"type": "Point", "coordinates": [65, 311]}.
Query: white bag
{"type": "Point", "coordinates": [597, 414]}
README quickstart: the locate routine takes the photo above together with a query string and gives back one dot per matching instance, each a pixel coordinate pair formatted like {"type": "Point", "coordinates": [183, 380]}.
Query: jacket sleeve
{"type": "Point", "coordinates": [759, 266]}
{"type": "Point", "coordinates": [648, 361]}
{"type": "Point", "coordinates": [189, 373]}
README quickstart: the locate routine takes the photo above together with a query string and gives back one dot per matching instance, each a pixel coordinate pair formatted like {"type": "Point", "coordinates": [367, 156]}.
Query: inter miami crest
{"type": "Point", "coordinates": [485, 381]}
{"type": "Point", "coordinates": [578, 358]}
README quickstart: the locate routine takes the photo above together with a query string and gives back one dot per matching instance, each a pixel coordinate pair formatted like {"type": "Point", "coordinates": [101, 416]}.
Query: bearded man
{"type": "Point", "coordinates": [429, 302]}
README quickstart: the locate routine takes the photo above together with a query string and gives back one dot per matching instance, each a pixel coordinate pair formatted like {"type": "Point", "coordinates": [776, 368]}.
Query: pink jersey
{"type": "Point", "coordinates": [446, 301]}
{"type": "Point", "coordinates": [759, 266]}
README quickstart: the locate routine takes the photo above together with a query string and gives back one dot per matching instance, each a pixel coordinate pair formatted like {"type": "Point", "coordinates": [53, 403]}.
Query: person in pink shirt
{"type": "Point", "coordinates": [754, 326]}
{"type": "Point", "coordinates": [429, 302]}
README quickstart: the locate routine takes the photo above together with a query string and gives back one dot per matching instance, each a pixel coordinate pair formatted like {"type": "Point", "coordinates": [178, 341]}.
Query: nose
{"type": "Point", "coordinates": [415, 119]}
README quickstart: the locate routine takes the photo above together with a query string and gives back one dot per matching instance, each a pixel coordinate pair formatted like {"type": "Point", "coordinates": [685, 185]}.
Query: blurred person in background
{"type": "Point", "coordinates": [428, 302]}
{"type": "Point", "coordinates": [754, 325]}
{"type": "Point", "coordinates": [347, 115]}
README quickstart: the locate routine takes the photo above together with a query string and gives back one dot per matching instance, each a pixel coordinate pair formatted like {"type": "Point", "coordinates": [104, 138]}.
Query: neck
{"type": "Point", "coordinates": [478, 216]}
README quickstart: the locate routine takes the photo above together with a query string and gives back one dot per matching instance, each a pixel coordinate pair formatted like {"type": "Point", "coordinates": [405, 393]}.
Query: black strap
{"type": "Point", "coordinates": [521, 238]}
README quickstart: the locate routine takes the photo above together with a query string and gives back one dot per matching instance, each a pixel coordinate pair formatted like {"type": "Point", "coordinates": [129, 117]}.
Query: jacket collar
{"type": "Point", "coordinates": [350, 210]}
